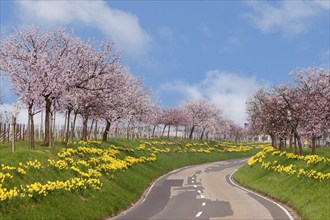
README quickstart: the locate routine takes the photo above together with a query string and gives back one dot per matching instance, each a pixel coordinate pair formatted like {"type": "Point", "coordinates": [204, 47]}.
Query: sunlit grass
{"type": "Point", "coordinates": [120, 185]}
{"type": "Point", "coordinates": [308, 195]}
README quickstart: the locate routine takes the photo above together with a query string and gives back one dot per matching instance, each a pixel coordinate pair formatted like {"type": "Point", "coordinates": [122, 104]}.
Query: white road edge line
{"type": "Point", "coordinates": [147, 193]}
{"type": "Point", "coordinates": [241, 187]}
{"type": "Point", "coordinates": [198, 214]}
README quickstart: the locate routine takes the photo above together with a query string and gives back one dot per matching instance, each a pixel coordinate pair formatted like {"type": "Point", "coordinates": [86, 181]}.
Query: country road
{"type": "Point", "coordinates": [203, 192]}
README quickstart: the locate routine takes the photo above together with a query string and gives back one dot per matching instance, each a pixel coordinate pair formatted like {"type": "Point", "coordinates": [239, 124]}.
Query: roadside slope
{"type": "Point", "coordinates": [301, 182]}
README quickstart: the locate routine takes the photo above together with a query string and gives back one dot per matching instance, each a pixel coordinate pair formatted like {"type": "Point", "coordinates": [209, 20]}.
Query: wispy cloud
{"type": "Point", "coordinates": [227, 90]}
{"type": "Point", "coordinates": [204, 28]}
{"type": "Point", "coordinates": [288, 17]}
{"type": "Point", "coordinates": [232, 43]}
{"type": "Point", "coordinates": [123, 27]}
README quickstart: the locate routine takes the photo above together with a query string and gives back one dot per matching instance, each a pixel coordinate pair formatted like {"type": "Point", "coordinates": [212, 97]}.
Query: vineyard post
{"type": "Point", "coordinates": [13, 133]}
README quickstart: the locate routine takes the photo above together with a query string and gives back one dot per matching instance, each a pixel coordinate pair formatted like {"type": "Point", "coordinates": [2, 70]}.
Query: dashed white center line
{"type": "Point", "coordinates": [199, 191]}
{"type": "Point", "coordinates": [198, 214]}
{"type": "Point", "coordinates": [204, 203]}
{"type": "Point", "coordinates": [192, 181]}
{"type": "Point", "coordinates": [202, 196]}
{"type": "Point", "coordinates": [193, 178]}
{"type": "Point", "coordinates": [195, 186]}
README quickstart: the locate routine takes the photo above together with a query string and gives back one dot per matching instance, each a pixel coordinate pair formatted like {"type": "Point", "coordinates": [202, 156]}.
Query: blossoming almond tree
{"type": "Point", "coordinates": [299, 110]}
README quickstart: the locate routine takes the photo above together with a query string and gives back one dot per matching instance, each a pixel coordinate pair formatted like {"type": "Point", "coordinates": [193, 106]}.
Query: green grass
{"type": "Point", "coordinates": [118, 192]}
{"type": "Point", "coordinates": [308, 197]}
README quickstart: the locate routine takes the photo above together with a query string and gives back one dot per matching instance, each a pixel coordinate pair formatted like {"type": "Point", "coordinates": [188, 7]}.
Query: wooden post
{"type": "Point", "coordinates": [13, 133]}
{"type": "Point", "coordinates": [0, 131]}
{"type": "Point", "coordinates": [8, 132]}
{"type": "Point", "coordinates": [4, 133]}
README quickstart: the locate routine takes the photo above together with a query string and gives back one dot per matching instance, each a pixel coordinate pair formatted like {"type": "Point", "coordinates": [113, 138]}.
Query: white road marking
{"type": "Point", "coordinates": [193, 178]}
{"type": "Point", "coordinates": [204, 203]}
{"type": "Point", "coordinates": [199, 191]}
{"type": "Point", "coordinates": [198, 214]}
{"type": "Point", "coordinates": [195, 186]}
{"type": "Point", "coordinates": [202, 196]}
{"type": "Point", "coordinates": [286, 211]}
{"type": "Point", "coordinates": [192, 181]}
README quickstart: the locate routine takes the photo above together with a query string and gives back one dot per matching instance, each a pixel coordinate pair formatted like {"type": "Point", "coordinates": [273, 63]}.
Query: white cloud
{"type": "Point", "coordinates": [288, 17]}
{"type": "Point", "coordinates": [123, 27]}
{"type": "Point", "coordinates": [323, 3]}
{"type": "Point", "coordinates": [205, 30]}
{"type": "Point", "coordinates": [227, 90]}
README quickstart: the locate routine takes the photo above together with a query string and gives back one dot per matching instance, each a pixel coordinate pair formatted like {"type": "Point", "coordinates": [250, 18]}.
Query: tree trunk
{"type": "Point", "coordinates": [163, 130]}
{"type": "Point", "coordinates": [106, 131]}
{"type": "Point", "coordinates": [176, 132]}
{"type": "Point", "coordinates": [313, 145]}
{"type": "Point", "coordinates": [299, 143]}
{"type": "Point", "coordinates": [168, 132]}
{"type": "Point", "coordinates": [67, 133]}
{"type": "Point", "coordinates": [281, 144]}
{"type": "Point", "coordinates": [191, 132]}
{"type": "Point", "coordinates": [295, 144]}
{"type": "Point", "coordinates": [31, 128]}
{"type": "Point", "coordinates": [153, 131]}
{"type": "Point", "coordinates": [116, 131]}
{"type": "Point", "coordinates": [73, 126]}
{"type": "Point", "coordinates": [51, 133]}
{"type": "Point", "coordinates": [13, 133]}
{"type": "Point", "coordinates": [95, 131]}
{"type": "Point", "coordinates": [290, 143]}
{"type": "Point", "coordinates": [202, 135]}
{"type": "Point", "coordinates": [41, 128]}
{"type": "Point", "coordinates": [84, 129]}
{"type": "Point", "coordinates": [273, 140]}
{"type": "Point", "coordinates": [47, 121]}
{"type": "Point", "coordinates": [127, 134]}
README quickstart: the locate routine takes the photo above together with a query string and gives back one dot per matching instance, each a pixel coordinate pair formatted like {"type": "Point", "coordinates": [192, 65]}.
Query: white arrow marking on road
{"type": "Point", "coordinates": [198, 214]}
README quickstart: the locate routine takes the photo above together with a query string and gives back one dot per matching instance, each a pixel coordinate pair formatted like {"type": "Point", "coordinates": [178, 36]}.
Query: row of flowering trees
{"type": "Point", "coordinates": [58, 72]}
{"type": "Point", "coordinates": [201, 115]}
{"type": "Point", "coordinates": [294, 112]}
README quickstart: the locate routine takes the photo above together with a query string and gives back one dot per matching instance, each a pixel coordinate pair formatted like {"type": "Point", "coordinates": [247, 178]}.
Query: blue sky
{"type": "Point", "coordinates": [217, 50]}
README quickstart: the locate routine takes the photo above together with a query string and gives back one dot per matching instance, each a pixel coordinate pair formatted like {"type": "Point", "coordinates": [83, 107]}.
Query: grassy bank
{"type": "Point", "coordinates": [94, 180]}
{"type": "Point", "coordinates": [302, 182]}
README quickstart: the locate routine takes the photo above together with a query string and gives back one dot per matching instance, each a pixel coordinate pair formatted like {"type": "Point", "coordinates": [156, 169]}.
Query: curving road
{"type": "Point", "coordinates": [203, 192]}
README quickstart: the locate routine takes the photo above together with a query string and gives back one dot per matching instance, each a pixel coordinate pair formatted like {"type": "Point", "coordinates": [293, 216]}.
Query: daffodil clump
{"type": "Point", "coordinates": [310, 166]}
{"type": "Point", "coordinates": [82, 165]}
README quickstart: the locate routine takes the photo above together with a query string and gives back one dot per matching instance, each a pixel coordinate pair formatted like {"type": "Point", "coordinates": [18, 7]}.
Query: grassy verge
{"type": "Point", "coordinates": [300, 182]}
{"type": "Point", "coordinates": [110, 176]}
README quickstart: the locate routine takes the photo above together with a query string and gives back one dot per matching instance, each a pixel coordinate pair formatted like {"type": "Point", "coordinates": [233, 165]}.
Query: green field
{"type": "Point", "coordinates": [300, 182]}
{"type": "Point", "coordinates": [94, 180]}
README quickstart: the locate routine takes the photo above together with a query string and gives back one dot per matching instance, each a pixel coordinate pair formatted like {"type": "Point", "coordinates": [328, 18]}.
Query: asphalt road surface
{"type": "Point", "coordinates": [203, 192]}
